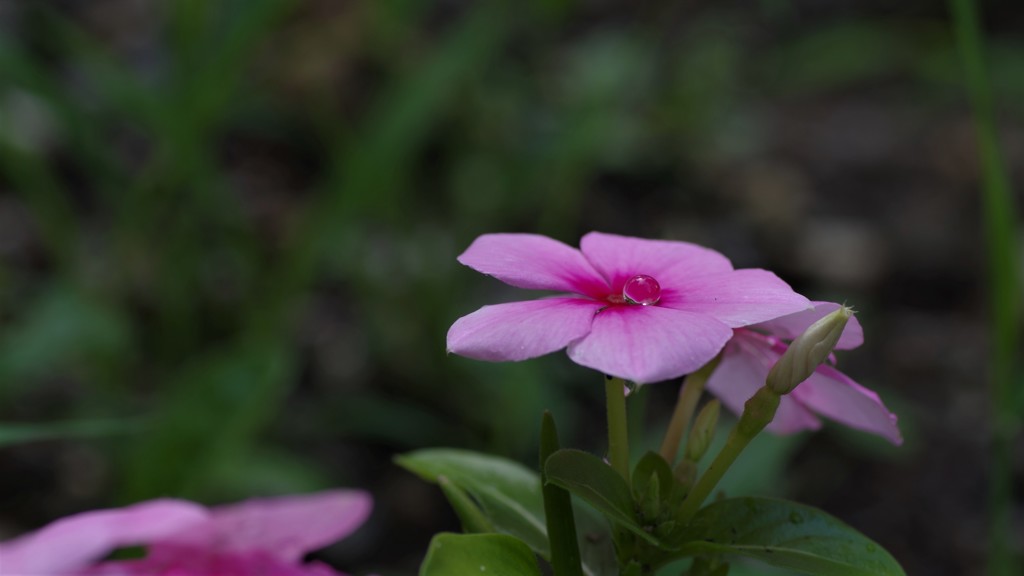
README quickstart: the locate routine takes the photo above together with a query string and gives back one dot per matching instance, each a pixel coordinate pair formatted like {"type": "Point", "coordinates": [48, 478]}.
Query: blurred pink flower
{"type": "Point", "coordinates": [642, 310]}
{"type": "Point", "coordinates": [828, 392]}
{"type": "Point", "coordinates": [256, 537]}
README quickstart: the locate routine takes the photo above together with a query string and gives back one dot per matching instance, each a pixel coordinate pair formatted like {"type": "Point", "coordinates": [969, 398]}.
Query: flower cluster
{"type": "Point", "coordinates": [640, 310]}
{"type": "Point", "coordinates": [653, 310]}
{"type": "Point", "coordinates": [255, 537]}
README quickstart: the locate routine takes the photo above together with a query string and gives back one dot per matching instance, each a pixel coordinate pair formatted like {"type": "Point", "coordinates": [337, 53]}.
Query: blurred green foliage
{"type": "Point", "coordinates": [231, 227]}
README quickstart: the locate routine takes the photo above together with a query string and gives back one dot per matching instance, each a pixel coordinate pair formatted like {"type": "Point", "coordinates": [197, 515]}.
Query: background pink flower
{"type": "Point", "coordinates": [642, 310]}
{"type": "Point", "coordinates": [754, 350]}
{"type": "Point", "coordinates": [267, 536]}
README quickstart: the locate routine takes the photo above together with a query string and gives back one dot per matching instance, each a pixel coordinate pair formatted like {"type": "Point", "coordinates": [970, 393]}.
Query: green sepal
{"type": "Point", "coordinates": [478, 554]}
{"type": "Point", "coordinates": [785, 534]}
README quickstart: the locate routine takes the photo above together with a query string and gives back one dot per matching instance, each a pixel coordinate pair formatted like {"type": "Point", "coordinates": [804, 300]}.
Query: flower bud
{"type": "Point", "coordinates": [685, 473]}
{"type": "Point", "coordinates": [703, 431]}
{"type": "Point", "coordinates": [808, 351]}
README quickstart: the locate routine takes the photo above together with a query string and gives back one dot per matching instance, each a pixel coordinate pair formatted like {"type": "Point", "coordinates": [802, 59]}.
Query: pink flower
{"type": "Point", "coordinates": [256, 537]}
{"type": "Point", "coordinates": [642, 310]}
{"type": "Point", "coordinates": [828, 392]}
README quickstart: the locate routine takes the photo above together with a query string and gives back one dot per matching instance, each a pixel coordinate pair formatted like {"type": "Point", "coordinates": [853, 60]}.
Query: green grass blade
{"type": "Point", "coordinates": [1004, 285]}
{"type": "Point", "coordinates": [11, 434]}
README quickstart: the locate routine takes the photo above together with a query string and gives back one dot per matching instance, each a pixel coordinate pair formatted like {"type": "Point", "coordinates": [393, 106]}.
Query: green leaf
{"type": "Point", "coordinates": [651, 465]}
{"type": "Point", "coordinates": [472, 518]}
{"type": "Point", "coordinates": [508, 492]}
{"type": "Point", "coordinates": [592, 480]}
{"type": "Point", "coordinates": [595, 542]}
{"type": "Point", "coordinates": [655, 487]}
{"type": "Point", "coordinates": [652, 485]}
{"type": "Point", "coordinates": [788, 535]}
{"type": "Point", "coordinates": [561, 522]}
{"type": "Point", "coordinates": [478, 554]}
{"type": "Point", "coordinates": [510, 496]}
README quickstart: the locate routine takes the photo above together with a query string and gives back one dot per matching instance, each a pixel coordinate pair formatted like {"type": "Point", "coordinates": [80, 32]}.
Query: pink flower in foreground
{"type": "Point", "coordinates": [828, 392]}
{"type": "Point", "coordinates": [256, 537]}
{"type": "Point", "coordinates": [642, 310]}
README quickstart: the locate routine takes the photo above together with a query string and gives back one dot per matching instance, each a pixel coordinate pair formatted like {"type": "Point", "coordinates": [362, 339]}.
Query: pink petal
{"type": "Point", "coordinates": [649, 343]}
{"type": "Point", "coordinates": [521, 330]}
{"type": "Point", "coordinates": [833, 394]}
{"type": "Point", "coordinates": [286, 527]}
{"type": "Point", "coordinates": [792, 325]}
{"type": "Point", "coordinates": [72, 543]}
{"type": "Point", "coordinates": [619, 258]}
{"type": "Point", "coordinates": [737, 298]}
{"type": "Point", "coordinates": [534, 262]}
{"type": "Point", "coordinates": [742, 371]}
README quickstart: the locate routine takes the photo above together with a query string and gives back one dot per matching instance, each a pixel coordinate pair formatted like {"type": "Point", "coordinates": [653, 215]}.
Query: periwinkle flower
{"type": "Point", "coordinates": [754, 350]}
{"type": "Point", "coordinates": [642, 310]}
{"type": "Point", "coordinates": [255, 537]}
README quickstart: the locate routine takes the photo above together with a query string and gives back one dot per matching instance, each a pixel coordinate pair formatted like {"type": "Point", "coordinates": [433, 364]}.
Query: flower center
{"type": "Point", "coordinates": [641, 289]}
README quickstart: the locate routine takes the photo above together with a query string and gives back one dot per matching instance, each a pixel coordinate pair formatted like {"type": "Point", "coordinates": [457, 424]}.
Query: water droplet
{"type": "Point", "coordinates": [641, 289]}
{"type": "Point", "coordinates": [796, 518]}
{"type": "Point", "coordinates": [869, 547]}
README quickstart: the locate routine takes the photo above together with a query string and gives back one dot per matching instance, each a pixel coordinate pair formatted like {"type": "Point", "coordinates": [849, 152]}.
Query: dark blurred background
{"type": "Point", "coordinates": [228, 234]}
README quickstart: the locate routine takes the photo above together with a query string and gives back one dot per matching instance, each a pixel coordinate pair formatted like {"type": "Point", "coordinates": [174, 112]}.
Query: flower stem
{"type": "Point", "coordinates": [757, 413]}
{"type": "Point", "coordinates": [618, 434]}
{"type": "Point", "coordinates": [1004, 285]}
{"type": "Point", "coordinates": [689, 394]}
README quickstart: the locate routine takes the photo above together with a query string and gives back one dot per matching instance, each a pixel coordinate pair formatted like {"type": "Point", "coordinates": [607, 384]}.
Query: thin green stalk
{"type": "Point", "coordinates": [618, 433]}
{"type": "Point", "coordinates": [1004, 285]}
{"type": "Point", "coordinates": [689, 394]}
{"type": "Point", "coordinates": [558, 512]}
{"type": "Point", "coordinates": [757, 413]}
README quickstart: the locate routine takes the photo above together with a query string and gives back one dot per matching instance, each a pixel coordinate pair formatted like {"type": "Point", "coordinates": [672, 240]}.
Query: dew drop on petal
{"type": "Point", "coordinates": [641, 289]}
